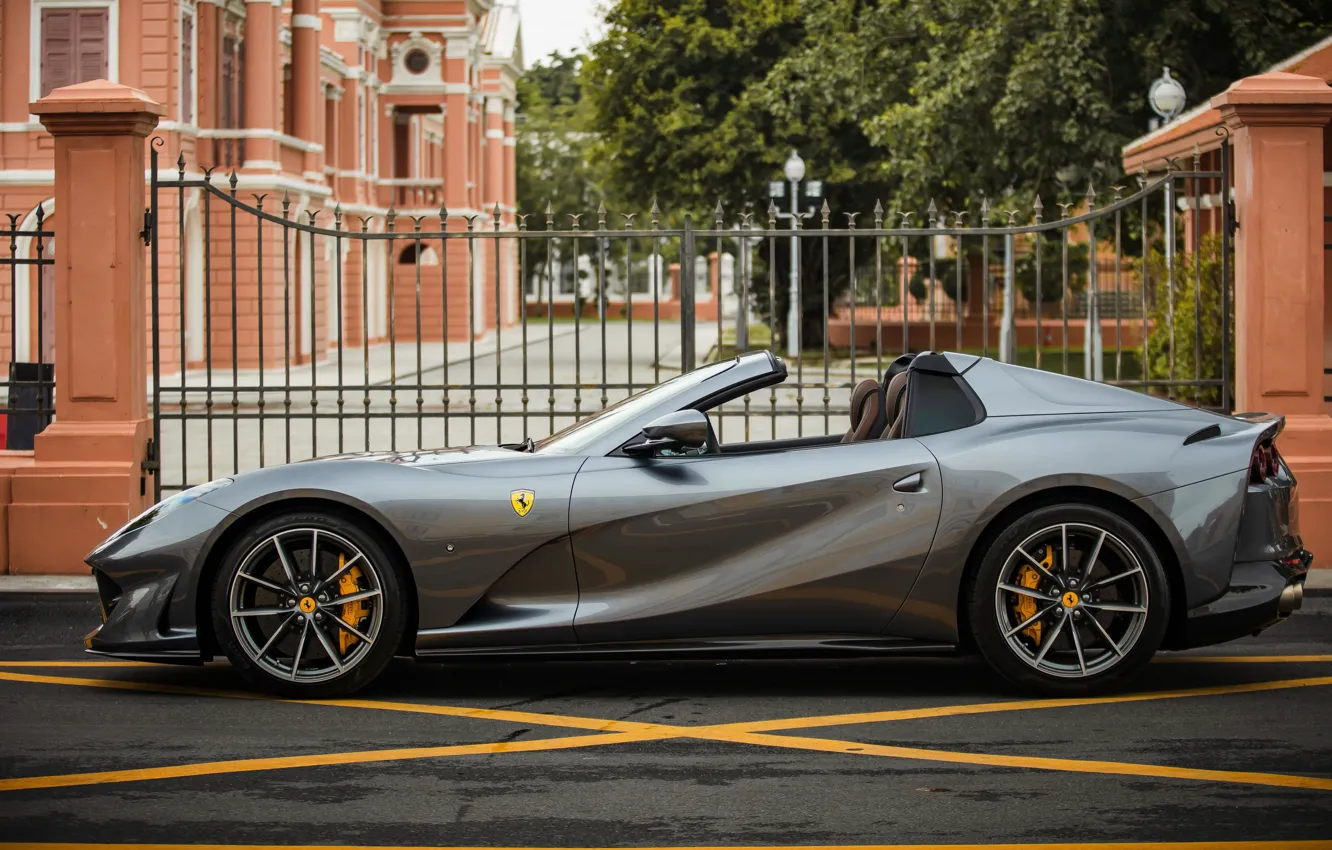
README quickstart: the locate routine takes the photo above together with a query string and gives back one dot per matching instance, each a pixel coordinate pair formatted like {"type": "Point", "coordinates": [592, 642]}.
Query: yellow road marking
{"type": "Point", "coordinates": [27, 783]}
{"type": "Point", "coordinates": [79, 664]}
{"type": "Point", "coordinates": [558, 720]}
{"type": "Point", "coordinates": [1033, 762]}
{"type": "Point", "coordinates": [625, 731]}
{"type": "Point", "coordinates": [1126, 845]}
{"type": "Point", "coordinates": [1240, 659]}
{"type": "Point", "coordinates": [1015, 705]}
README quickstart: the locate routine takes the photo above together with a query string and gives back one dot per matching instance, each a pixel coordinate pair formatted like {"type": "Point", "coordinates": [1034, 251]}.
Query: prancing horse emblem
{"type": "Point", "coordinates": [522, 501]}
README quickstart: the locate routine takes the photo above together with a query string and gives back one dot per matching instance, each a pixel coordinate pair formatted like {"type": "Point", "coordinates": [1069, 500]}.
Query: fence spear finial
{"type": "Point", "coordinates": [550, 215]}
{"type": "Point", "coordinates": [1039, 207]}
{"type": "Point", "coordinates": [496, 213]}
{"type": "Point", "coordinates": [933, 212]}
{"type": "Point", "coordinates": [878, 214]}
{"type": "Point", "coordinates": [720, 214]}
{"type": "Point", "coordinates": [601, 216]}
{"type": "Point", "coordinates": [772, 215]}
{"type": "Point", "coordinates": [655, 212]}
{"type": "Point", "coordinates": [1091, 197]}
{"type": "Point", "coordinates": [851, 220]}
{"type": "Point", "coordinates": [443, 217]}
{"type": "Point", "coordinates": [233, 180]}
{"type": "Point", "coordinates": [826, 212]}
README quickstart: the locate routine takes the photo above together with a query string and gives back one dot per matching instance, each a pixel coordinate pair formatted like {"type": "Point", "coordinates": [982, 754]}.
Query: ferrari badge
{"type": "Point", "coordinates": [522, 501]}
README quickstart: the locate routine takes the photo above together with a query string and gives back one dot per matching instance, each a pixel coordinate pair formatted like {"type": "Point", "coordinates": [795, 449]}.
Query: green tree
{"type": "Point", "coordinates": [1185, 340]}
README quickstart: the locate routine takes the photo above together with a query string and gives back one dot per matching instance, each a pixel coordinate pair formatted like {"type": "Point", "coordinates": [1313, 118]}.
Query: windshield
{"type": "Point", "coordinates": [585, 432]}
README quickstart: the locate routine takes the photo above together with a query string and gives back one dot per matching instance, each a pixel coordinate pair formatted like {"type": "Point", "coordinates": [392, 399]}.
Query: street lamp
{"type": "Point", "coordinates": [794, 170]}
{"type": "Point", "coordinates": [1166, 97]}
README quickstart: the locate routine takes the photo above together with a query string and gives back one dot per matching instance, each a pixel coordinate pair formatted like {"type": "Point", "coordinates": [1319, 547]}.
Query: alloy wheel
{"type": "Point", "coordinates": [1072, 600]}
{"type": "Point", "coordinates": [306, 605]}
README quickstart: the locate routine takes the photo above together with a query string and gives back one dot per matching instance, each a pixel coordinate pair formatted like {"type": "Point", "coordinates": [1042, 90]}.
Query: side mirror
{"type": "Point", "coordinates": [683, 429]}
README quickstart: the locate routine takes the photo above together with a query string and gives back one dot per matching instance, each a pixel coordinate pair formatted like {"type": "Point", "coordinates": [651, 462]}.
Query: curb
{"type": "Point", "coordinates": [47, 586]}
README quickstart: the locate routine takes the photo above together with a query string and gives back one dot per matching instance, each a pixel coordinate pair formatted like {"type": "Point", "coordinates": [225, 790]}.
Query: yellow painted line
{"type": "Point", "coordinates": [1036, 763]}
{"type": "Point", "coordinates": [213, 768]}
{"type": "Point", "coordinates": [79, 664]}
{"type": "Point", "coordinates": [1126, 845]}
{"type": "Point", "coordinates": [1241, 659]}
{"type": "Point", "coordinates": [1014, 705]}
{"type": "Point", "coordinates": [503, 715]}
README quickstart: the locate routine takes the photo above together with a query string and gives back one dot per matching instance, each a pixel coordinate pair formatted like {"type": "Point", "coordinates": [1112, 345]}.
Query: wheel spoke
{"type": "Point", "coordinates": [1090, 563]}
{"type": "Point", "coordinates": [1063, 538]}
{"type": "Point", "coordinates": [1077, 647]}
{"type": "Point", "coordinates": [1039, 566]}
{"type": "Point", "coordinates": [1114, 606]}
{"type": "Point", "coordinates": [314, 556]}
{"type": "Point", "coordinates": [1053, 637]}
{"type": "Point", "coordinates": [354, 597]}
{"type": "Point", "coordinates": [300, 648]}
{"type": "Point", "coordinates": [1114, 647]}
{"type": "Point", "coordinates": [1112, 579]}
{"type": "Point", "coordinates": [337, 575]}
{"type": "Point", "coordinates": [352, 629]}
{"type": "Point", "coordinates": [1027, 622]}
{"type": "Point", "coordinates": [260, 612]}
{"type": "Point", "coordinates": [1025, 591]}
{"type": "Point", "coordinates": [277, 633]}
{"type": "Point", "coordinates": [268, 584]}
{"type": "Point", "coordinates": [286, 564]}
{"type": "Point", "coordinates": [328, 647]}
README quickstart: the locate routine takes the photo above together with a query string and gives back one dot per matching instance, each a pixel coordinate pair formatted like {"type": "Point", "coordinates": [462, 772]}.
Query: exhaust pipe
{"type": "Point", "coordinates": [1291, 599]}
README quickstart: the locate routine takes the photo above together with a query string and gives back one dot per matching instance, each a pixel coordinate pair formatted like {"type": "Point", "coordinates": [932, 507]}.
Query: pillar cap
{"type": "Point", "coordinates": [1276, 97]}
{"type": "Point", "coordinates": [97, 106]}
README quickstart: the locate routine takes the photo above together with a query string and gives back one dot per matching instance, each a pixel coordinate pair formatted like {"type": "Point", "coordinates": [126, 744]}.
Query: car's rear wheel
{"type": "Point", "coordinates": [1069, 599]}
{"type": "Point", "coordinates": [308, 605]}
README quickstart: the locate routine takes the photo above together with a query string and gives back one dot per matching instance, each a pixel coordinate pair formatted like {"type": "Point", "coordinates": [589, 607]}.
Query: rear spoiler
{"type": "Point", "coordinates": [1274, 423]}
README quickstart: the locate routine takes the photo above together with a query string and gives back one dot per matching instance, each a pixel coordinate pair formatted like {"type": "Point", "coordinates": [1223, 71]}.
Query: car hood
{"type": "Point", "coordinates": [434, 457]}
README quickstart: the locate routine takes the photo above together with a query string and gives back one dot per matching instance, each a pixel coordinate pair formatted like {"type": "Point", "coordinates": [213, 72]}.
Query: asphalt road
{"type": "Point", "coordinates": [573, 754]}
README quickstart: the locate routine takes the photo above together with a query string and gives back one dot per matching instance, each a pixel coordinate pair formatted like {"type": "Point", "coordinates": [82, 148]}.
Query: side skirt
{"type": "Point", "coordinates": [803, 646]}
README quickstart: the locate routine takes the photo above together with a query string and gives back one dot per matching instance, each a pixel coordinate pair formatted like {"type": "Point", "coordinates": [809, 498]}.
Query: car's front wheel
{"type": "Point", "coordinates": [1069, 599]}
{"type": "Point", "coordinates": [308, 605]}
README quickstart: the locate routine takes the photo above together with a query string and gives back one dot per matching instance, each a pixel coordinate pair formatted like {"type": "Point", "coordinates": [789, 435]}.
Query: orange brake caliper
{"type": "Point", "coordinates": [352, 612]}
{"type": "Point", "coordinates": [1025, 606]}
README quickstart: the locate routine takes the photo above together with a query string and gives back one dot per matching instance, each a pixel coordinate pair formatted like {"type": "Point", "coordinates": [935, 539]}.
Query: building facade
{"type": "Point", "coordinates": [352, 114]}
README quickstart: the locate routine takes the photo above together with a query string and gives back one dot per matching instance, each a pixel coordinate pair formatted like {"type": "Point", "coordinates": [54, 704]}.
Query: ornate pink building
{"type": "Point", "coordinates": [356, 107]}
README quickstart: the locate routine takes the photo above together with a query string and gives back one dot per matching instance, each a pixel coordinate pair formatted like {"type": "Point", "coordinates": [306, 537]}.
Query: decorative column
{"type": "Point", "coordinates": [263, 75]}
{"type": "Point", "coordinates": [308, 102]}
{"type": "Point", "coordinates": [1278, 122]}
{"type": "Point", "coordinates": [87, 478]}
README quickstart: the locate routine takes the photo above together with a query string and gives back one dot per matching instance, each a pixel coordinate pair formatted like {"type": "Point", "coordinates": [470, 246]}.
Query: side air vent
{"type": "Point", "coordinates": [1203, 434]}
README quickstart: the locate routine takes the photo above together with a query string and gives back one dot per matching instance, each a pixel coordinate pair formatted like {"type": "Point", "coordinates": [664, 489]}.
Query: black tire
{"type": "Point", "coordinates": [1087, 648]}
{"type": "Point", "coordinates": [352, 562]}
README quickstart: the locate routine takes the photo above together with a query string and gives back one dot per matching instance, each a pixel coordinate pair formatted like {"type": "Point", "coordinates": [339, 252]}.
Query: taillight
{"type": "Point", "coordinates": [1266, 463]}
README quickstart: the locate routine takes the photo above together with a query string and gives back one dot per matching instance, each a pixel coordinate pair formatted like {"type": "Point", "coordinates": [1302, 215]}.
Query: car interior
{"type": "Point", "coordinates": [908, 402]}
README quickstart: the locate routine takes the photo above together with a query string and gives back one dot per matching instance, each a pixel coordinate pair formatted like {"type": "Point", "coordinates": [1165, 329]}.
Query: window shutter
{"type": "Point", "coordinates": [92, 29]}
{"type": "Point", "coordinates": [187, 69]}
{"type": "Point", "coordinates": [57, 49]}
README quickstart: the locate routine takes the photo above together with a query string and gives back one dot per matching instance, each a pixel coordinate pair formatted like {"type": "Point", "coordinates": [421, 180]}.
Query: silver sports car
{"type": "Point", "coordinates": [1065, 530]}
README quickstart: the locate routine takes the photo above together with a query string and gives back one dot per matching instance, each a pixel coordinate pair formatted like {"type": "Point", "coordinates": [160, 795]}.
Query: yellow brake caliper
{"type": "Point", "coordinates": [1025, 606]}
{"type": "Point", "coordinates": [352, 612]}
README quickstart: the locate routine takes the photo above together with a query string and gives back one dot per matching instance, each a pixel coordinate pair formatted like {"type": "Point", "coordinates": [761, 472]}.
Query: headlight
{"type": "Point", "coordinates": [166, 506]}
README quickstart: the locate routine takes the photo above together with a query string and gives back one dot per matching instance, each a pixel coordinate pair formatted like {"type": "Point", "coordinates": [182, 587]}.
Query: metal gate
{"type": "Point", "coordinates": [281, 332]}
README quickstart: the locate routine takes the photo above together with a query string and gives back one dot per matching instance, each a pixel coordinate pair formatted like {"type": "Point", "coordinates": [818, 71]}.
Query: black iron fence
{"type": "Point", "coordinates": [28, 384]}
{"type": "Point", "coordinates": [292, 327]}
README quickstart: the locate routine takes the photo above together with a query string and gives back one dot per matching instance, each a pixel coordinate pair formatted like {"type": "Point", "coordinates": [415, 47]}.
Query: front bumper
{"type": "Point", "coordinates": [1261, 594]}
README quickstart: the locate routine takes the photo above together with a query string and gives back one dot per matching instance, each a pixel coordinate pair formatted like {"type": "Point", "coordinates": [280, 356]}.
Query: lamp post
{"type": "Point", "coordinates": [794, 171]}
{"type": "Point", "coordinates": [1166, 97]}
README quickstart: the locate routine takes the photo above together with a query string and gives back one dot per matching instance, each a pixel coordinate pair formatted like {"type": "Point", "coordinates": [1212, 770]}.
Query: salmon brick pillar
{"type": "Point", "coordinates": [1278, 122]}
{"type": "Point", "coordinates": [87, 478]}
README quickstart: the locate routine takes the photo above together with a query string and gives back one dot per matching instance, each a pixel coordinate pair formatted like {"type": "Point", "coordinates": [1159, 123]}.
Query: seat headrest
{"type": "Point", "coordinates": [867, 416]}
{"type": "Point", "coordinates": [894, 407]}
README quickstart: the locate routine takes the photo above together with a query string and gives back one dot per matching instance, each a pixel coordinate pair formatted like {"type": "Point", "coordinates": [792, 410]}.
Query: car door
{"type": "Point", "coordinates": [816, 540]}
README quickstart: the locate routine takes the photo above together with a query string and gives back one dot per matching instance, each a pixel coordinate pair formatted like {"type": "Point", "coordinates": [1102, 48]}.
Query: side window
{"type": "Point", "coordinates": [74, 47]}
{"type": "Point", "coordinates": [938, 403]}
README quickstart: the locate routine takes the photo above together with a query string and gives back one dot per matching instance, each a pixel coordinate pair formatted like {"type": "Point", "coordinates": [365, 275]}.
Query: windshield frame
{"type": "Point", "coordinates": [582, 435]}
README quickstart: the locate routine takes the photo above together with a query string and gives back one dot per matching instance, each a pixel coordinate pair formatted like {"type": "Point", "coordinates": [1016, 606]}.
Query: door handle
{"type": "Point", "coordinates": [911, 484]}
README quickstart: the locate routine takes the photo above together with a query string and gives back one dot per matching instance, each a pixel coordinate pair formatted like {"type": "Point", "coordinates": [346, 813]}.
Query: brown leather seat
{"type": "Point", "coordinates": [867, 412]}
{"type": "Point", "coordinates": [895, 406]}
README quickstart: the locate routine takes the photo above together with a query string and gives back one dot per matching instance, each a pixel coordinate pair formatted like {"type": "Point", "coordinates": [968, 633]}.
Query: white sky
{"type": "Point", "coordinates": [561, 25]}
